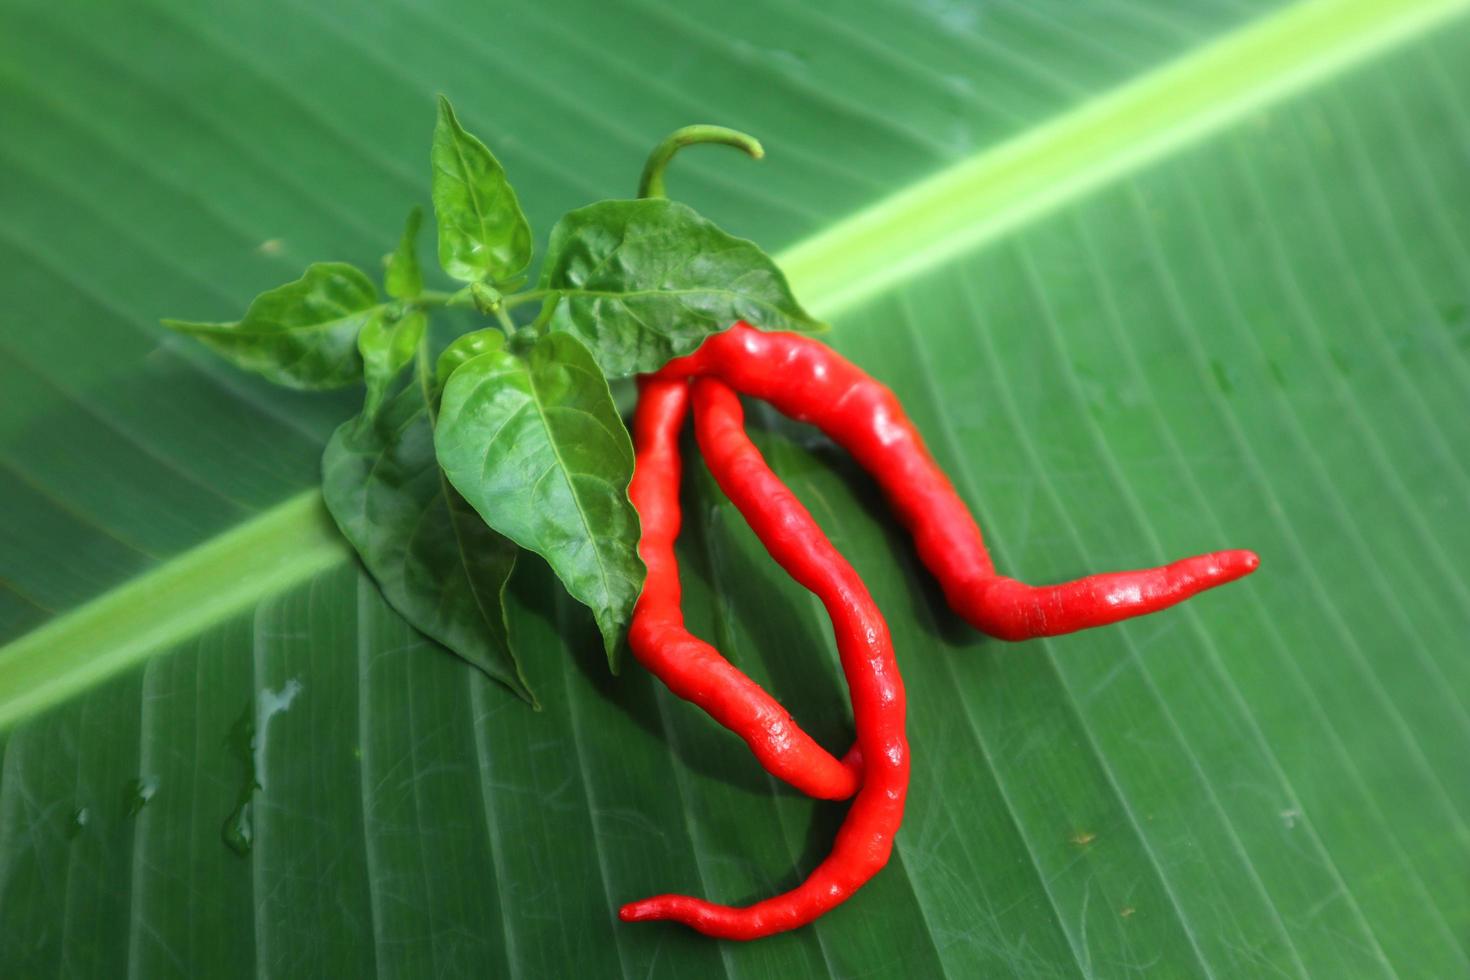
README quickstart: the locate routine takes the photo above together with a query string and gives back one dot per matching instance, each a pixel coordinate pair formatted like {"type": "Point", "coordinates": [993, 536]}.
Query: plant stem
{"type": "Point", "coordinates": [506, 323]}
{"type": "Point", "coordinates": [433, 298]}
{"type": "Point", "coordinates": [651, 184]}
{"type": "Point", "coordinates": [529, 296]}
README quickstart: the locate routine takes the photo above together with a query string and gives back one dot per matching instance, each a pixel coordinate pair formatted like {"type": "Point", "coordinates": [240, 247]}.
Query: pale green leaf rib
{"type": "Point", "coordinates": [1158, 865]}
{"type": "Point", "coordinates": [1077, 943]}
{"type": "Point", "coordinates": [599, 834]}
{"type": "Point", "coordinates": [370, 856]}
{"type": "Point", "coordinates": [1291, 536]}
{"type": "Point", "coordinates": [896, 239]}
{"type": "Point", "coordinates": [1208, 640]}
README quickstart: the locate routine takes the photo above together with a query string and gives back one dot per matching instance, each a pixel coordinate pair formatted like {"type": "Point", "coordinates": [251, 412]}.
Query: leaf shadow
{"type": "Point", "coordinates": [786, 644]}
{"type": "Point", "coordinates": [724, 573]}
{"type": "Point", "coordinates": [759, 618]}
{"type": "Point", "coordinates": [808, 455]}
{"type": "Point", "coordinates": [699, 743]}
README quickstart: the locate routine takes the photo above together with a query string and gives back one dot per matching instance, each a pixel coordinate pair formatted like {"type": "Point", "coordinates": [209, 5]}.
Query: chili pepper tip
{"type": "Point", "coordinates": [1237, 563]}
{"type": "Point", "coordinates": [638, 911]}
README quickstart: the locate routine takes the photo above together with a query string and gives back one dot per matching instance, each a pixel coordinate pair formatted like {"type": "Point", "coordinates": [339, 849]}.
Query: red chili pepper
{"type": "Point", "coordinates": [795, 541]}
{"type": "Point", "coordinates": [691, 668]}
{"type": "Point", "coordinates": [808, 381]}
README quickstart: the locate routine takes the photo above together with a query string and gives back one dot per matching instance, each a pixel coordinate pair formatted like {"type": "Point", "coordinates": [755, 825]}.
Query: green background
{"type": "Point", "coordinates": [1228, 307]}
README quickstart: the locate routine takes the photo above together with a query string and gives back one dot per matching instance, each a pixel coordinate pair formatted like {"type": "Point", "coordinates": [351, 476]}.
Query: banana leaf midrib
{"type": "Point", "coordinates": [896, 239]}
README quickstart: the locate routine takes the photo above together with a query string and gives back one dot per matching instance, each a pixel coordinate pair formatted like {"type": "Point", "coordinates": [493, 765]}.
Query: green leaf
{"type": "Point", "coordinates": [404, 279]}
{"type": "Point", "coordinates": [302, 334]}
{"type": "Point", "coordinates": [386, 349]}
{"type": "Point", "coordinates": [466, 347]}
{"type": "Point", "coordinates": [1151, 278]}
{"type": "Point", "coordinates": [435, 560]}
{"type": "Point", "coordinates": [482, 232]}
{"type": "Point", "coordinates": [645, 281]}
{"type": "Point", "coordinates": [537, 447]}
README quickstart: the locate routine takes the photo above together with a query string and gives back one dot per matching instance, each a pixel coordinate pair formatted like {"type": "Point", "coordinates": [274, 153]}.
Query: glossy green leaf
{"type": "Point", "coordinates": [482, 232]}
{"type": "Point", "coordinates": [403, 278]}
{"type": "Point", "coordinates": [1151, 278]}
{"type": "Point", "coordinates": [465, 347]}
{"type": "Point", "coordinates": [435, 560]}
{"type": "Point", "coordinates": [645, 281]}
{"type": "Point", "coordinates": [386, 349]}
{"type": "Point", "coordinates": [537, 447]}
{"type": "Point", "coordinates": [302, 334]}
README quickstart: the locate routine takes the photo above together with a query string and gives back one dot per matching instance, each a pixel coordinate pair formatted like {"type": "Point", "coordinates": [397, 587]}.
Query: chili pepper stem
{"type": "Point", "coordinates": [436, 298]}
{"type": "Point", "coordinates": [529, 296]}
{"type": "Point", "coordinates": [464, 299]}
{"type": "Point", "coordinates": [506, 323]}
{"type": "Point", "coordinates": [651, 184]}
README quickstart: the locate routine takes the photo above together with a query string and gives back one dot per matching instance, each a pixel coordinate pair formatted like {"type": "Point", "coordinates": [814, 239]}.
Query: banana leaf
{"type": "Point", "coordinates": [1153, 279]}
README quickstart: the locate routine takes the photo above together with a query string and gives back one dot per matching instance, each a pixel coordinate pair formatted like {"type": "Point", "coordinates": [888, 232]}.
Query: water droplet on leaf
{"type": "Point", "coordinates": [246, 741]}
{"type": "Point", "coordinates": [138, 793]}
{"type": "Point", "coordinates": [238, 832]}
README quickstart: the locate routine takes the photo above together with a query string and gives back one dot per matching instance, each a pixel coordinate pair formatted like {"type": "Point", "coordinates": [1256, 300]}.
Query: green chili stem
{"type": "Point", "coordinates": [433, 298]}
{"type": "Point", "coordinates": [651, 184]}
{"type": "Point", "coordinates": [529, 296]}
{"type": "Point", "coordinates": [506, 323]}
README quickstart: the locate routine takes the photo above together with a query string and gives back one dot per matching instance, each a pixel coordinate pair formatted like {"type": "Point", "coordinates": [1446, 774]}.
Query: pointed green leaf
{"type": "Point", "coordinates": [435, 560]}
{"type": "Point", "coordinates": [482, 232]}
{"type": "Point", "coordinates": [644, 281]}
{"type": "Point", "coordinates": [537, 447]}
{"type": "Point", "coordinates": [404, 279]}
{"type": "Point", "coordinates": [386, 348]}
{"type": "Point", "coordinates": [302, 334]}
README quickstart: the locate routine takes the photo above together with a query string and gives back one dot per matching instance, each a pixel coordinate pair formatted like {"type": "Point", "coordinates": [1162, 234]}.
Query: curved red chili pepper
{"type": "Point", "coordinates": [808, 381]}
{"type": "Point", "coordinates": [691, 668]}
{"type": "Point", "coordinates": [795, 541]}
